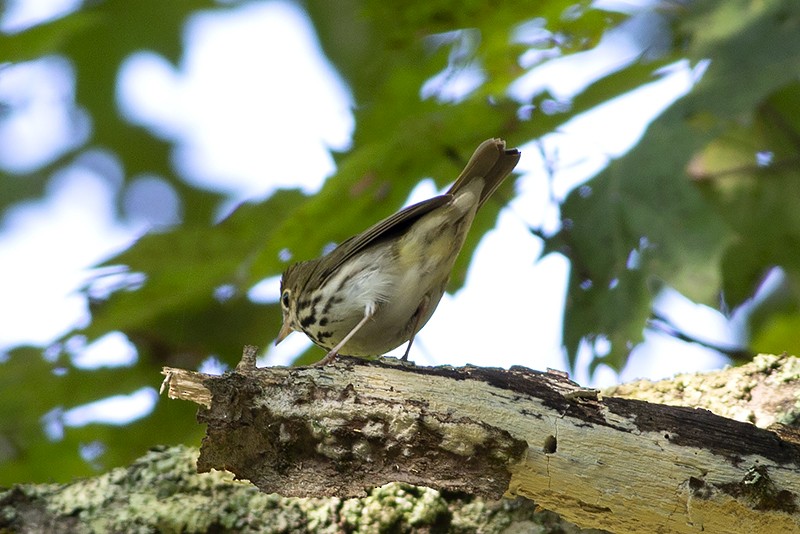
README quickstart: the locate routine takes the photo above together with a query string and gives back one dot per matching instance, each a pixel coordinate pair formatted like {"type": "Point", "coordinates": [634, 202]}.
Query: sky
{"type": "Point", "coordinates": [517, 314]}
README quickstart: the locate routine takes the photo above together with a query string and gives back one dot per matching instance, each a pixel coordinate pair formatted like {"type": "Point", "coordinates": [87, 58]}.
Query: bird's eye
{"type": "Point", "coordinates": [285, 298]}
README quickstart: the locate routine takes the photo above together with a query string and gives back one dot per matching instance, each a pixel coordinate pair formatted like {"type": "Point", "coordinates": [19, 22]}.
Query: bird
{"type": "Point", "coordinates": [376, 290]}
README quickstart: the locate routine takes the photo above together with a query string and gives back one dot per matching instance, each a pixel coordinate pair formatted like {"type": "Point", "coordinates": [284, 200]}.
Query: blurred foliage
{"type": "Point", "coordinates": [706, 202]}
{"type": "Point", "coordinates": [708, 199]}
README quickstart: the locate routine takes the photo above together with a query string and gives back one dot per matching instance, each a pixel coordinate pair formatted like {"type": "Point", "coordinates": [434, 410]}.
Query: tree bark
{"type": "Point", "coordinates": [623, 465]}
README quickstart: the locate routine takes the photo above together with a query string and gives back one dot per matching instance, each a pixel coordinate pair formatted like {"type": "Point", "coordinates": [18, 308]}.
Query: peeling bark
{"type": "Point", "coordinates": [623, 465]}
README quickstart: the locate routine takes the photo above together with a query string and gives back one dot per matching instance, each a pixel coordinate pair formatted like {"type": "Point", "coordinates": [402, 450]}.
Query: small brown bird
{"type": "Point", "coordinates": [377, 289]}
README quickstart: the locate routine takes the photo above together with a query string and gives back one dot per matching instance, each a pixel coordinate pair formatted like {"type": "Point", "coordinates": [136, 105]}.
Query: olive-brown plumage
{"type": "Point", "coordinates": [377, 289]}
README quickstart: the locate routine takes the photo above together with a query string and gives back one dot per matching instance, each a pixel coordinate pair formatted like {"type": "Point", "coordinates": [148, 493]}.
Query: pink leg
{"type": "Point", "coordinates": [369, 311]}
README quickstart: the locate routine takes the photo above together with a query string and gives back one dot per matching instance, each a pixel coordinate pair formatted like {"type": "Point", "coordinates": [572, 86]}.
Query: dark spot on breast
{"type": "Point", "coordinates": [308, 320]}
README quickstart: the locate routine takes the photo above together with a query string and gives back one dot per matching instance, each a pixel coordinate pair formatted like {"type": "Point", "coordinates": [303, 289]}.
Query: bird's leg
{"type": "Point", "coordinates": [417, 318]}
{"type": "Point", "coordinates": [369, 311]}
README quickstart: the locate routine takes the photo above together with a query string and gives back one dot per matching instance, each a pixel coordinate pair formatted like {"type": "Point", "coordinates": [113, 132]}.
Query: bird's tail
{"type": "Point", "coordinates": [491, 161]}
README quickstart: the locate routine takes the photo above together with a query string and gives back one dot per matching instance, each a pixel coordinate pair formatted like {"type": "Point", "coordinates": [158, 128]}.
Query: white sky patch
{"type": "Point", "coordinates": [42, 121]}
{"type": "Point", "coordinates": [45, 248]}
{"type": "Point", "coordinates": [567, 76]}
{"type": "Point", "coordinates": [253, 104]}
{"type": "Point", "coordinates": [21, 14]}
{"type": "Point", "coordinates": [111, 350]}
{"type": "Point", "coordinates": [212, 366]}
{"type": "Point", "coordinates": [287, 351]}
{"type": "Point", "coordinates": [117, 410]}
{"type": "Point", "coordinates": [646, 359]}
{"type": "Point", "coordinates": [266, 291]}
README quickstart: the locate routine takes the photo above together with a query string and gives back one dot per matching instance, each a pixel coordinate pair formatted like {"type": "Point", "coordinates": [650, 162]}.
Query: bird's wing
{"type": "Point", "coordinates": [384, 229]}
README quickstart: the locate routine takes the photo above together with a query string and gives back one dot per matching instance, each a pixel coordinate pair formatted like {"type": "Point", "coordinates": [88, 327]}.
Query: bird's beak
{"type": "Point", "coordinates": [286, 329]}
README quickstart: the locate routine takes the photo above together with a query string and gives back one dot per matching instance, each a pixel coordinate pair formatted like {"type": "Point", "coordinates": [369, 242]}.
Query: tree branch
{"type": "Point", "coordinates": [619, 464]}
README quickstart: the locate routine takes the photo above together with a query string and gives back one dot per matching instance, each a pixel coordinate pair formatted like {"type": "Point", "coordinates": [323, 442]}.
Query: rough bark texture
{"type": "Point", "coordinates": [623, 465]}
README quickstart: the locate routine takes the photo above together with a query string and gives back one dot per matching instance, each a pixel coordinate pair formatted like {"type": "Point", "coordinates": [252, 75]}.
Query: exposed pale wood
{"type": "Point", "coordinates": [185, 385]}
{"type": "Point", "coordinates": [618, 464]}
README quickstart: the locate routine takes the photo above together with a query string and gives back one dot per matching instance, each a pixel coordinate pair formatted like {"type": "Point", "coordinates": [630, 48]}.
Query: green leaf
{"type": "Point", "coordinates": [193, 302]}
{"type": "Point", "coordinates": [647, 194]}
{"type": "Point", "coordinates": [31, 387]}
{"type": "Point", "coordinates": [779, 334]}
{"type": "Point", "coordinates": [44, 39]}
